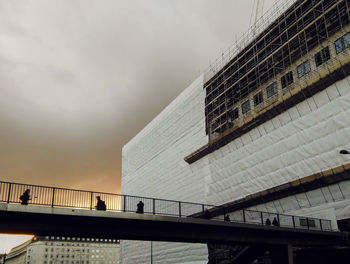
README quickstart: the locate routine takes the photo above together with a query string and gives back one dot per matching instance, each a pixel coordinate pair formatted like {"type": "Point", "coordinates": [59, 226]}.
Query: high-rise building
{"type": "Point", "coordinates": [65, 250]}
{"type": "Point", "coordinates": [262, 129]}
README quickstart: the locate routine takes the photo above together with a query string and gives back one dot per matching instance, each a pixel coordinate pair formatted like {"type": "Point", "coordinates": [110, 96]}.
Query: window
{"type": "Point", "coordinates": [233, 114]}
{"type": "Point", "coordinates": [258, 98]}
{"type": "Point", "coordinates": [271, 89]}
{"type": "Point", "coordinates": [246, 107]}
{"type": "Point", "coordinates": [287, 79]}
{"type": "Point", "coordinates": [303, 68]}
{"type": "Point", "coordinates": [342, 43]}
{"type": "Point", "coordinates": [322, 56]}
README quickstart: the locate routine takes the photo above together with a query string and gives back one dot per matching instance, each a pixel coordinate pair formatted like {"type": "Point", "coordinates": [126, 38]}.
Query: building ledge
{"type": "Point", "coordinates": [302, 185]}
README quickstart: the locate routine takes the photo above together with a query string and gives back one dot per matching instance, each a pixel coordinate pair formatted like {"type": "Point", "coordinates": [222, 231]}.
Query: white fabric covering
{"type": "Point", "coordinates": [304, 140]}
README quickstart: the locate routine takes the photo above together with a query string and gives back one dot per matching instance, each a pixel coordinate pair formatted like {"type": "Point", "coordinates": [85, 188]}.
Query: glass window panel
{"type": "Point", "coordinates": [307, 67]}
{"type": "Point", "coordinates": [338, 46]}
{"type": "Point", "coordinates": [271, 89]}
{"type": "Point", "coordinates": [245, 107]}
{"type": "Point", "coordinates": [347, 40]}
{"type": "Point", "coordinates": [300, 70]}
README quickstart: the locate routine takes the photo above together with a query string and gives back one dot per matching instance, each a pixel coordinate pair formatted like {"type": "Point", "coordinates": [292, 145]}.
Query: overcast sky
{"type": "Point", "coordinates": [79, 79]}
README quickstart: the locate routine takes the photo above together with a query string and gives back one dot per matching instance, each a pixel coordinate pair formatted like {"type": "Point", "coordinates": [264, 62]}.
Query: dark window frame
{"type": "Point", "coordinates": [271, 90]}
{"type": "Point", "coordinates": [303, 68]}
{"type": "Point", "coordinates": [234, 114]}
{"type": "Point", "coordinates": [258, 98]}
{"type": "Point", "coordinates": [287, 79]}
{"type": "Point", "coordinates": [342, 43]}
{"type": "Point", "coordinates": [322, 56]}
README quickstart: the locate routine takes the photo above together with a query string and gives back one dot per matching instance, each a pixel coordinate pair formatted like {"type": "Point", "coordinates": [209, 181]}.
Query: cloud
{"type": "Point", "coordinates": [79, 79]}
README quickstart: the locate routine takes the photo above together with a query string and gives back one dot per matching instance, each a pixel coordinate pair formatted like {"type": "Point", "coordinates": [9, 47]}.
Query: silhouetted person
{"type": "Point", "coordinates": [227, 218]}
{"type": "Point", "coordinates": [275, 222]}
{"type": "Point", "coordinates": [267, 222]}
{"type": "Point", "coordinates": [25, 197]}
{"type": "Point", "coordinates": [140, 206]}
{"type": "Point", "coordinates": [101, 205]}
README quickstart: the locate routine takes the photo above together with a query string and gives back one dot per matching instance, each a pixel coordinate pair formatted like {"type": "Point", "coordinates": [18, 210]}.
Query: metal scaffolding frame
{"type": "Point", "coordinates": [237, 99]}
{"type": "Point", "coordinates": [307, 25]}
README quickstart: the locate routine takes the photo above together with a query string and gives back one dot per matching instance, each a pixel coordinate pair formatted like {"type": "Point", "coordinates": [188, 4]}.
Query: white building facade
{"type": "Point", "coordinates": [298, 145]}
{"type": "Point", "coordinates": [66, 250]}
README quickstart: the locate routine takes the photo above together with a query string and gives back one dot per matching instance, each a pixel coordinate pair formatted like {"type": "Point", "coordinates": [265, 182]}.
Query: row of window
{"type": "Point", "coordinates": [82, 239]}
{"type": "Point", "coordinates": [304, 68]}
{"type": "Point", "coordinates": [78, 256]}
{"type": "Point", "coordinates": [78, 261]}
{"type": "Point", "coordinates": [103, 245]}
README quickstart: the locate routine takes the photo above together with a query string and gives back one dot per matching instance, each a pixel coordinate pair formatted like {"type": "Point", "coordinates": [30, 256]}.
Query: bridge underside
{"type": "Point", "coordinates": [43, 221]}
{"type": "Point", "coordinates": [275, 254]}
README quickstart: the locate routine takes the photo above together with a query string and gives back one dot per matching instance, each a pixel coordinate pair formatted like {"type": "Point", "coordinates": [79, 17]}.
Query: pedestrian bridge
{"type": "Point", "coordinates": [71, 213]}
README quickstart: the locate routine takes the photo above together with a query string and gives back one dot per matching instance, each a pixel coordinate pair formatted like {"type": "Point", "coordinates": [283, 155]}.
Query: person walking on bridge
{"type": "Point", "coordinates": [25, 197]}
{"type": "Point", "coordinates": [101, 205]}
{"type": "Point", "coordinates": [140, 206]}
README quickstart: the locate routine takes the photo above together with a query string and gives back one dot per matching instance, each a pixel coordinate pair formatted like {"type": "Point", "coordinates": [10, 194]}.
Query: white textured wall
{"type": "Point", "coordinates": [304, 140]}
{"type": "Point", "coordinates": [153, 161]}
{"type": "Point", "coordinates": [154, 166]}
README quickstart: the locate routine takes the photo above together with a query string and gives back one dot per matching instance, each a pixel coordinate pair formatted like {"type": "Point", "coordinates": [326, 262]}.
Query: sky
{"type": "Point", "coordinates": [79, 79]}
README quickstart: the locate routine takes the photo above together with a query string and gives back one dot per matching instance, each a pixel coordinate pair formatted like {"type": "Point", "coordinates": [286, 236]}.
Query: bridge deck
{"type": "Point", "coordinates": [43, 221]}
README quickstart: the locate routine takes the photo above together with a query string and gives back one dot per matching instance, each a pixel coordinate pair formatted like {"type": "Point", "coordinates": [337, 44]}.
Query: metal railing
{"type": "Point", "coordinates": [70, 198]}
{"type": "Point", "coordinates": [276, 219]}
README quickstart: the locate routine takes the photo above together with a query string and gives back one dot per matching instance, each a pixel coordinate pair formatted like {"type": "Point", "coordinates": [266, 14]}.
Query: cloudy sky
{"type": "Point", "coordinates": [79, 79]}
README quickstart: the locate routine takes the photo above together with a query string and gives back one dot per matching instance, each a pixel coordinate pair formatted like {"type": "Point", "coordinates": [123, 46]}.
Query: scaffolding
{"type": "Point", "coordinates": [304, 49]}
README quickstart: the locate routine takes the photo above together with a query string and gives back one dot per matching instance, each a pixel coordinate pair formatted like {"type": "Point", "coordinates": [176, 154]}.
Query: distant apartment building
{"type": "Point", "coordinates": [65, 250]}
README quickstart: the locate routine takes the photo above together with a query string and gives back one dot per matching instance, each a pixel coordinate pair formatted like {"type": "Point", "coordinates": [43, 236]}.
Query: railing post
{"type": "Point", "coordinates": [91, 196]}
{"type": "Point", "coordinates": [154, 206]}
{"type": "Point", "coordinates": [53, 196]}
{"type": "Point", "coordinates": [202, 207]}
{"type": "Point", "coordinates": [278, 220]}
{"type": "Point", "coordinates": [179, 209]}
{"type": "Point", "coordinates": [124, 203]}
{"type": "Point", "coordinates": [9, 196]}
{"type": "Point", "coordinates": [293, 221]}
{"type": "Point", "coordinates": [244, 220]}
{"type": "Point", "coordinates": [262, 218]}
{"type": "Point", "coordinates": [321, 224]}
{"type": "Point", "coordinates": [307, 222]}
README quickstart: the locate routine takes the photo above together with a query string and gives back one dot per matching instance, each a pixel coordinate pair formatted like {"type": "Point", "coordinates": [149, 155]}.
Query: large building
{"type": "Point", "coordinates": [65, 250]}
{"type": "Point", "coordinates": [262, 130]}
